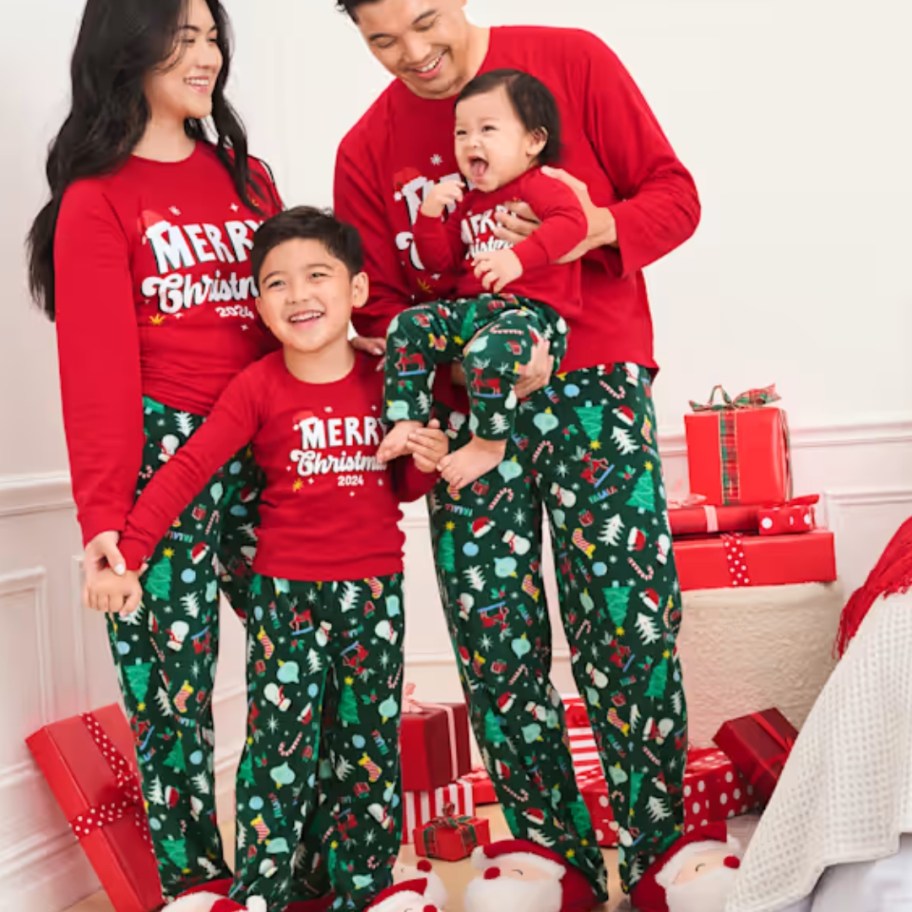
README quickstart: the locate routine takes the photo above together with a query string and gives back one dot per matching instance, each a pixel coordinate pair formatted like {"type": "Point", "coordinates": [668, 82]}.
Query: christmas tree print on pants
{"type": "Point", "coordinates": [321, 762]}
{"type": "Point", "coordinates": [165, 652]}
{"type": "Point", "coordinates": [584, 450]}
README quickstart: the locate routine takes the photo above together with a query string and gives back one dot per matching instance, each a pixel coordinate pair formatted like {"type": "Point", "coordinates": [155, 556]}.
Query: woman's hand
{"type": "Point", "coordinates": [428, 445]}
{"type": "Point", "coordinates": [537, 373]}
{"type": "Point", "coordinates": [369, 345]}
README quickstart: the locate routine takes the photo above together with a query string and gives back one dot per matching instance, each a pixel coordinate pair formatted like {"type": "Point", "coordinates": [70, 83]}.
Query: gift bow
{"type": "Point", "coordinates": [131, 800]}
{"type": "Point", "coordinates": [774, 765]}
{"type": "Point", "coordinates": [449, 820]}
{"type": "Point", "coordinates": [411, 705]}
{"type": "Point", "coordinates": [751, 398]}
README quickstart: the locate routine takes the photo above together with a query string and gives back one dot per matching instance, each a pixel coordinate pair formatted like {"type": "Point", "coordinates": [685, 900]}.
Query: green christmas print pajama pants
{"type": "Point", "coordinates": [492, 335]}
{"type": "Point", "coordinates": [166, 651]}
{"type": "Point", "coordinates": [584, 449]}
{"type": "Point", "coordinates": [321, 763]}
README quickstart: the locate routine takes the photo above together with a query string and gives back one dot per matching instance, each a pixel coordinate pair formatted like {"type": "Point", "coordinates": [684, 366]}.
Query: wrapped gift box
{"type": "Point", "coordinates": [482, 787]}
{"type": "Point", "coordinates": [434, 744]}
{"type": "Point", "coordinates": [583, 751]}
{"type": "Point", "coordinates": [451, 837]}
{"type": "Point", "coordinates": [713, 790]}
{"type": "Point", "coordinates": [419, 808]}
{"type": "Point", "coordinates": [768, 560]}
{"type": "Point", "coordinates": [790, 518]}
{"type": "Point", "coordinates": [738, 451]}
{"type": "Point", "coordinates": [759, 745]}
{"type": "Point", "coordinates": [705, 519]}
{"type": "Point", "coordinates": [89, 764]}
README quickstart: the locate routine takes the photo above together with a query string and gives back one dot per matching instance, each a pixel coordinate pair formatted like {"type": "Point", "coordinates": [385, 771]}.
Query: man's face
{"type": "Point", "coordinates": [425, 43]}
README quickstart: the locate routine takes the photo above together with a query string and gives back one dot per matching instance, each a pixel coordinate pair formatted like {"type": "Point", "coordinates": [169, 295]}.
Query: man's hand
{"type": "Point", "coordinates": [442, 194]}
{"type": "Point", "coordinates": [497, 269]}
{"type": "Point", "coordinates": [100, 553]}
{"type": "Point", "coordinates": [537, 373]}
{"type": "Point", "coordinates": [114, 593]}
{"type": "Point", "coordinates": [372, 346]}
{"type": "Point", "coordinates": [428, 445]}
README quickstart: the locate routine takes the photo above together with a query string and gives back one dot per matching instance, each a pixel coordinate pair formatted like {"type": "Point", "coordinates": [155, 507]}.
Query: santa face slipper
{"type": "Point", "coordinates": [517, 874]}
{"type": "Point", "coordinates": [206, 901]}
{"type": "Point", "coordinates": [408, 896]}
{"type": "Point", "coordinates": [695, 874]}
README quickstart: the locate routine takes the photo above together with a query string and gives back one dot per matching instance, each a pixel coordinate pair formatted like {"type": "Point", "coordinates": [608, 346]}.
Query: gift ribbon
{"type": "Point", "coordinates": [448, 820]}
{"type": "Point", "coordinates": [773, 766]}
{"type": "Point", "coordinates": [736, 558]}
{"type": "Point", "coordinates": [131, 801]}
{"type": "Point", "coordinates": [728, 440]}
{"type": "Point", "coordinates": [411, 705]}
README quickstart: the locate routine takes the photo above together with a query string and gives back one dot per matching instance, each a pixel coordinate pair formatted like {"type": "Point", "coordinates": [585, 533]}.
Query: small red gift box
{"type": "Point", "coordinates": [744, 560]}
{"type": "Point", "coordinates": [738, 451]}
{"type": "Point", "coordinates": [482, 787]}
{"type": "Point", "coordinates": [419, 808]}
{"type": "Point", "coordinates": [433, 743]}
{"type": "Point", "coordinates": [575, 713]}
{"type": "Point", "coordinates": [706, 519]}
{"type": "Point", "coordinates": [713, 790]}
{"type": "Point", "coordinates": [789, 518]}
{"type": "Point", "coordinates": [88, 762]}
{"type": "Point", "coordinates": [759, 745]}
{"type": "Point", "coordinates": [451, 837]}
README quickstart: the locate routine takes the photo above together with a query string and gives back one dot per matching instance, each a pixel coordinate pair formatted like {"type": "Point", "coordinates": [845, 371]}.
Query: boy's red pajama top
{"type": "Point", "coordinates": [154, 297]}
{"type": "Point", "coordinates": [329, 510]}
{"type": "Point", "coordinates": [451, 245]}
{"type": "Point", "coordinates": [611, 141]}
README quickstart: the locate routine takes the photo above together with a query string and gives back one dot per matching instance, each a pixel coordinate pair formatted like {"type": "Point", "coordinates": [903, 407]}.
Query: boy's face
{"type": "Point", "coordinates": [492, 145]}
{"type": "Point", "coordinates": [425, 43]}
{"type": "Point", "coordinates": [307, 295]}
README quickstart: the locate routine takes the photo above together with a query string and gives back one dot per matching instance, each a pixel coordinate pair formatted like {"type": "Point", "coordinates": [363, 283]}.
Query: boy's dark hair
{"type": "Point", "coordinates": [308, 223]}
{"type": "Point", "coordinates": [531, 99]}
{"type": "Point", "coordinates": [350, 7]}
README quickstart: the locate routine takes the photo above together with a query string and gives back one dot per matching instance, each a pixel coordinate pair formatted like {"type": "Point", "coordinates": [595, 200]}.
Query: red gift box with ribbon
{"type": "Point", "coordinates": [755, 560]}
{"type": "Point", "coordinates": [451, 836]}
{"type": "Point", "coordinates": [433, 742]}
{"type": "Point", "coordinates": [693, 516]}
{"type": "Point", "coordinates": [790, 518]}
{"type": "Point", "coordinates": [482, 787]}
{"type": "Point", "coordinates": [419, 808]}
{"type": "Point", "coordinates": [738, 449]}
{"type": "Point", "coordinates": [759, 745]}
{"type": "Point", "coordinates": [89, 763]}
{"type": "Point", "coordinates": [713, 790]}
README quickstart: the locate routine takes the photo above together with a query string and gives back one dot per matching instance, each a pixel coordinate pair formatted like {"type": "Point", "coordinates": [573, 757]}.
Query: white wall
{"type": "Point", "coordinates": [791, 116]}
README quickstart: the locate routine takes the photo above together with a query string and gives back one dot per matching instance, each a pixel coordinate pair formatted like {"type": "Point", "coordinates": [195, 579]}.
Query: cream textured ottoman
{"type": "Point", "coordinates": [750, 648]}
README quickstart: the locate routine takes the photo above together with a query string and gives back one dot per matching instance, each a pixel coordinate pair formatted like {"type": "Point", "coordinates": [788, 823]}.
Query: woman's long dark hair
{"type": "Point", "coordinates": [119, 42]}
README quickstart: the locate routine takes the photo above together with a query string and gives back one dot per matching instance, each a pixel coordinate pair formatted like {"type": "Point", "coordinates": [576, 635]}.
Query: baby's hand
{"type": "Point", "coordinates": [497, 268]}
{"type": "Point", "coordinates": [114, 594]}
{"type": "Point", "coordinates": [428, 445]}
{"type": "Point", "coordinates": [443, 194]}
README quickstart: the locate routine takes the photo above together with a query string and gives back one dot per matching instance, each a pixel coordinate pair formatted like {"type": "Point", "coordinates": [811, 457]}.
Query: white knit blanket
{"type": "Point", "coordinates": [846, 792]}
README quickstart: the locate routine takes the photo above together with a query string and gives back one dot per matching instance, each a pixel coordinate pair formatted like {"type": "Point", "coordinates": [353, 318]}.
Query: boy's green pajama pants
{"type": "Point", "coordinates": [321, 762]}
{"type": "Point", "coordinates": [165, 652]}
{"type": "Point", "coordinates": [583, 450]}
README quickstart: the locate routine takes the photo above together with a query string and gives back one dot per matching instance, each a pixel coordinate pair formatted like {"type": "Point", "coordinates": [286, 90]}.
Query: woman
{"type": "Point", "coordinates": [141, 256]}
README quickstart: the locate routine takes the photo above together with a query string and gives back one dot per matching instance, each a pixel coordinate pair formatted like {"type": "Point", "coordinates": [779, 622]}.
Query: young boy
{"type": "Point", "coordinates": [324, 637]}
{"type": "Point", "coordinates": [507, 126]}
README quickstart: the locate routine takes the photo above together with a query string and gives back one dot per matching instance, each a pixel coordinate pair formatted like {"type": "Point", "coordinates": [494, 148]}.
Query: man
{"type": "Point", "coordinates": [583, 449]}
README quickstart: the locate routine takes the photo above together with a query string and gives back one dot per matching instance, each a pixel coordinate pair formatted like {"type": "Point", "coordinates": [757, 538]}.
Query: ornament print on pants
{"type": "Point", "coordinates": [165, 652]}
{"type": "Point", "coordinates": [492, 335]}
{"type": "Point", "coordinates": [584, 449]}
{"type": "Point", "coordinates": [321, 759]}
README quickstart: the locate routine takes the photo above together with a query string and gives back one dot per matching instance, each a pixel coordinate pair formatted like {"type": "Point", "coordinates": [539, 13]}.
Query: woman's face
{"type": "Point", "coordinates": [181, 87]}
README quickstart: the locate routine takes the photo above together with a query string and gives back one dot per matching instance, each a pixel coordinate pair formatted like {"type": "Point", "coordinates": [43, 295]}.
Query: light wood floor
{"type": "Point", "coordinates": [456, 874]}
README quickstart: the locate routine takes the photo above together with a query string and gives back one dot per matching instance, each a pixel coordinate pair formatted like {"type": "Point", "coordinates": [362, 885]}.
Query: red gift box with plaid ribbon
{"type": "Point", "coordinates": [713, 790]}
{"type": "Point", "coordinates": [89, 764]}
{"type": "Point", "coordinates": [759, 745]}
{"type": "Point", "coordinates": [755, 560]}
{"type": "Point", "coordinates": [451, 836]}
{"type": "Point", "coordinates": [738, 449]}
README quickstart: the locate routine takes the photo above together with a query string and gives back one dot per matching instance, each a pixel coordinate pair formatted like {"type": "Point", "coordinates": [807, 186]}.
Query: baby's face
{"type": "Point", "coordinates": [493, 147]}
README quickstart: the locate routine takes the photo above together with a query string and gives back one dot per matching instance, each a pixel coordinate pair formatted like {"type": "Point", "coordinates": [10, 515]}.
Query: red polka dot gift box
{"type": "Point", "coordinates": [713, 790]}
{"type": "Point", "coordinates": [89, 764]}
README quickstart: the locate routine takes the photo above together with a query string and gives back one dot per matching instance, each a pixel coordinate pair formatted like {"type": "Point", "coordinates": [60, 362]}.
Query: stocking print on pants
{"type": "Point", "coordinates": [165, 654]}
{"type": "Point", "coordinates": [323, 657]}
{"type": "Point", "coordinates": [584, 449]}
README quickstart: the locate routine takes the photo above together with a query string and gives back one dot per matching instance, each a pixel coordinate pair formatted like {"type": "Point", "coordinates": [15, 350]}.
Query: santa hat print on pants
{"type": "Point", "coordinates": [657, 891]}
